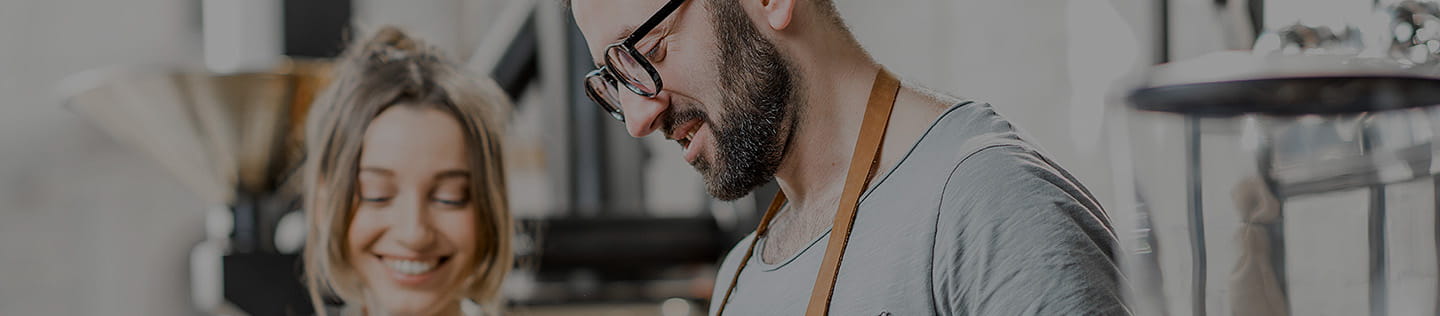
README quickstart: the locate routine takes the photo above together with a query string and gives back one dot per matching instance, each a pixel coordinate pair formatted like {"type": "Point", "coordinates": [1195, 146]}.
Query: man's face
{"type": "Point", "coordinates": [729, 96]}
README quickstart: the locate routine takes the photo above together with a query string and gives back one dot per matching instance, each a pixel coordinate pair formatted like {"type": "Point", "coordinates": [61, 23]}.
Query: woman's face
{"type": "Point", "coordinates": [412, 238]}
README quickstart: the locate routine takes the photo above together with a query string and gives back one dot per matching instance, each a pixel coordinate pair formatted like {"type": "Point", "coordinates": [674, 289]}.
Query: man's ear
{"type": "Point", "coordinates": [778, 13]}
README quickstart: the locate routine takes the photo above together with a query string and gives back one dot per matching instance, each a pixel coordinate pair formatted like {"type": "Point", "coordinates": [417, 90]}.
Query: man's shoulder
{"type": "Point", "coordinates": [995, 173]}
{"type": "Point", "coordinates": [1015, 189]}
{"type": "Point", "coordinates": [971, 148]}
{"type": "Point", "coordinates": [1009, 171]}
{"type": "Point", "coordinates": [982, 168]}
{"type": "Point", "coordinates": [965, 130]}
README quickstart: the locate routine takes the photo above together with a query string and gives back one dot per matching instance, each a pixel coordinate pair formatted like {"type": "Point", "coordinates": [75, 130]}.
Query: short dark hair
{"type": "Point", "coordinates": [827, 8]}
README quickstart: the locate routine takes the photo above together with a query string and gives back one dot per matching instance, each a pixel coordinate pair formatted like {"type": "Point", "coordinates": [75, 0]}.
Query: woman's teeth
{"type": "Point", "coordinates": [410, 267]}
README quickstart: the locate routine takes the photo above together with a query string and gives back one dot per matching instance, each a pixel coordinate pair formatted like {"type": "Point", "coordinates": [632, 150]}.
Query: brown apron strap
{"type": "Point", "coordinates": [862, 168]}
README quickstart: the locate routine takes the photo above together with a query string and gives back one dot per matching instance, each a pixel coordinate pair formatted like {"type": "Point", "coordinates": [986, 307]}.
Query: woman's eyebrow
{"type": "Point", "coordinates": [381, 171]}
{"type": "Point", "coordinates": [453, 173]}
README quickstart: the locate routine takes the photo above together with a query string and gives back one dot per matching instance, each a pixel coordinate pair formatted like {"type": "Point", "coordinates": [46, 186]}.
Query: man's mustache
{"type": "Point", "coordinates": [675, 119]}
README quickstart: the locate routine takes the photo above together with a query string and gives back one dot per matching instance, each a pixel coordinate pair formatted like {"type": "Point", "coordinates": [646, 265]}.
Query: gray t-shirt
{"type": "Point", "coordinates": [972, 221]}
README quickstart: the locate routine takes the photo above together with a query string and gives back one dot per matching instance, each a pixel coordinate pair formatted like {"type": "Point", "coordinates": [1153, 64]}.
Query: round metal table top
{"type": "Point", "coordinates": [1235, 83]}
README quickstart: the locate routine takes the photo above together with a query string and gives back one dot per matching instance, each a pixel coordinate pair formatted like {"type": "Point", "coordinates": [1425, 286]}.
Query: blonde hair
{"type": "Point", "coordinates": [393, 69]}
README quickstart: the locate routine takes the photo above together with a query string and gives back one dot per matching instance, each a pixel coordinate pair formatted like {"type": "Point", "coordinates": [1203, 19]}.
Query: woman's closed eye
{"type": "Point", "coordinates": [452, 202]}
{"type": "Point", "coordinates": [452, 191]}
{"type": "Point", "coordinates": [377, 199]}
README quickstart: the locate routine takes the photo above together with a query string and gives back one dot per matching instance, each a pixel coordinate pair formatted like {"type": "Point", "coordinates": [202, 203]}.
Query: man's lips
{"type": "Point", "coordinates": [685, 132]}
{"type": "Point", "coordinates": [695, 142]}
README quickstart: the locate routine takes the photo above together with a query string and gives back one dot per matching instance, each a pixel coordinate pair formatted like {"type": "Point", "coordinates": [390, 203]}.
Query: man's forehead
{"type": "Point", "coordinates": [604, 22]}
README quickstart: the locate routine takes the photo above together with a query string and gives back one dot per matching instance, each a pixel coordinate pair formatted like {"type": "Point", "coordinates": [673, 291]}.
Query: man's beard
{"type": "Point", "coordinates": [759, 91]}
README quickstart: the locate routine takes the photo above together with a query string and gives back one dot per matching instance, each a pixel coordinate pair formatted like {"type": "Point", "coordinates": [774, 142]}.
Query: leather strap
{"type": "Point", "coordinates": [862, 167]}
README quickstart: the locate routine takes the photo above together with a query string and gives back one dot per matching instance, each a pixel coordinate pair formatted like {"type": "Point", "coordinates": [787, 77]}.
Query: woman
{"type": "Point", "coordinates": [405, 194]}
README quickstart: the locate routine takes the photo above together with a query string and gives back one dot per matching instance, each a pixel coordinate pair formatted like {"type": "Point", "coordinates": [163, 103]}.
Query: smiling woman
{"type": "Point", "coordinates": [405, 194]}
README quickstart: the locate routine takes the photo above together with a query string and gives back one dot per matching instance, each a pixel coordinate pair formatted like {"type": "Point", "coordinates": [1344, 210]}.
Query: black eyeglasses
{"type": "Point", "coordinates": [624, 63]}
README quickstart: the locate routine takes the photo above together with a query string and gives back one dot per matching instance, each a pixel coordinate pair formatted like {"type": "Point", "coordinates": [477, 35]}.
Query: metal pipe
{"type": "Point", "coordinates": [1378, 252]}
{"type": "Point", "coordinates": [1375, 229]}
{"type": "Point", "coordinates": [1163, 35]}
{"type": "Point", "coordinates": [1195, 209]}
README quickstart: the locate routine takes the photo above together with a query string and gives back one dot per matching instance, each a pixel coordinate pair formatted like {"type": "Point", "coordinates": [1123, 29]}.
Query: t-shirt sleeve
{"type": "Point", "coordinates": [1015, 237]}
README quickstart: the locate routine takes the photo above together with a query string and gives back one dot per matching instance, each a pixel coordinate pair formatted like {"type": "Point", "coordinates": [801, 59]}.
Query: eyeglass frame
{"type": "Point", "coordinates": [610, 76]}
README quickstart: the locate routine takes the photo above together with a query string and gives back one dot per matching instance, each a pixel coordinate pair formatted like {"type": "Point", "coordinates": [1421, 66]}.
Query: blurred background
{"type": "Point", "coordinates": [143, 142]}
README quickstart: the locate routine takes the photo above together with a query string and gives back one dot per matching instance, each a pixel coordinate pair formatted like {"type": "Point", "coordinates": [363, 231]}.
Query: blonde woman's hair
{"type": "Point", "coordinates": [393, 69]}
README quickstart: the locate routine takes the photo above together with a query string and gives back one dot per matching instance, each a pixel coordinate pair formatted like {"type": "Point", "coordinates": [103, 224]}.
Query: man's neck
{"type": "Point", "coordinates": [818, 156]}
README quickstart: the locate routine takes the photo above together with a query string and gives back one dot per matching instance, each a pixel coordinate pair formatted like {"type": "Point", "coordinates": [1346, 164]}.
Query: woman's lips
{"type": "Point", "coordinates": [411, 271]}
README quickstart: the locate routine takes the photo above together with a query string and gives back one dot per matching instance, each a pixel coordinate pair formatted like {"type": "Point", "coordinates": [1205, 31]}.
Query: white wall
{"type": "Point", "coordinates": [1014, 54]}
{"type": "Point", "coordinates": [455, 26]}
{"type": "Point", "coordinates": [87, 226]}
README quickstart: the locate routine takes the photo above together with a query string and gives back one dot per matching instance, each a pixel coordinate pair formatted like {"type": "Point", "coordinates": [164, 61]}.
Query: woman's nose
{"type": "Point", "coordinates": [642, 114]}
{"type": "Point", "coordinates": [412, 227]}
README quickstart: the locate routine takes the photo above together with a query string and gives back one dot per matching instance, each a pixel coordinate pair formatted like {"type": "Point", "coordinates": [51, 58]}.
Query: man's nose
{"type": "Point", "coordinates": [412, 225]}
{"type": "Point", "coordinates": [642, 114]}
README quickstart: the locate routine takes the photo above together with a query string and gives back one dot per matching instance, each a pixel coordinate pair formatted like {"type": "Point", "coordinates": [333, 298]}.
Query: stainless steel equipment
{"type": "Point", "coordinates": [1296, 180]}
{"type": "Point", "coordinates": [234, 139]}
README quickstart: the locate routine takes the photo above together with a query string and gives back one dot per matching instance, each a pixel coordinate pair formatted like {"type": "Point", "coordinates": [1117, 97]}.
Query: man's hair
{"type": "Point", "coordinates": [826, 8]}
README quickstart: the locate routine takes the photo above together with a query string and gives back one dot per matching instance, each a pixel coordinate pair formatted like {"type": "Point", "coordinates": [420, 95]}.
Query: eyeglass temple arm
{"type": "Point", "coordinates": [653, 21]}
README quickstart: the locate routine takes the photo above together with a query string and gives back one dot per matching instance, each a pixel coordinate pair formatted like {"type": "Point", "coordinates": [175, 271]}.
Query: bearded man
{"type": "Point", "coordinates": [893, 201]}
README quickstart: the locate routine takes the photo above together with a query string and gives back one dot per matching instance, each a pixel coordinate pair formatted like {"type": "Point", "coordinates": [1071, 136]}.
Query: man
{"type": "Point", "coordinates": [959, 215]}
